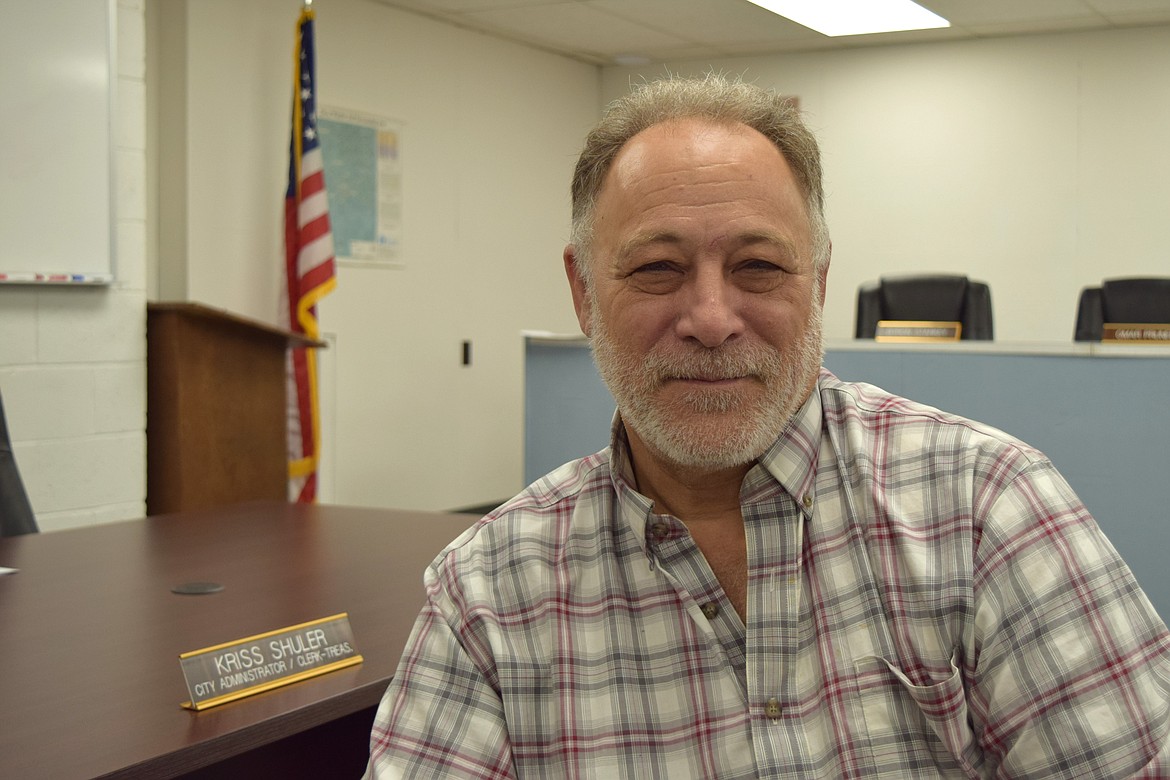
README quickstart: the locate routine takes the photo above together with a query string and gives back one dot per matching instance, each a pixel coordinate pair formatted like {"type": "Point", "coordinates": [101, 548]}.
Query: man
{"type": "Point", "coordinates": [770, 572]}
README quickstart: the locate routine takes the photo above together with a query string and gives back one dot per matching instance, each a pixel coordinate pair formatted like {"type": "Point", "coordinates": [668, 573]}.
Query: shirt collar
{"type": "Point", "coordinates": [792, 459]}
{"type": "Point", "coordinates": [621, 471]}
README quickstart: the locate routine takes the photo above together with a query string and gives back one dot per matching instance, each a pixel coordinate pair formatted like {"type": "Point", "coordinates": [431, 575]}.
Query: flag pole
{"type": "Point", "coordinates": [309, 263]}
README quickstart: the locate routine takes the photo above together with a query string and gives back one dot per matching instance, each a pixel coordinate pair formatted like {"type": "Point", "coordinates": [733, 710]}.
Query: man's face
{"type": "Point", "coordinates": [705, 306]}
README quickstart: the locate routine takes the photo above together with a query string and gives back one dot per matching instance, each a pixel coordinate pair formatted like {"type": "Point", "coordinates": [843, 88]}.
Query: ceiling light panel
{"type": "Point", "coordinates": [855, 17]}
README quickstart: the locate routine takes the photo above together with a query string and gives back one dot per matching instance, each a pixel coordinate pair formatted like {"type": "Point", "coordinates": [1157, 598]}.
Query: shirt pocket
{"type": "Point", "coordinates": [910, 727]}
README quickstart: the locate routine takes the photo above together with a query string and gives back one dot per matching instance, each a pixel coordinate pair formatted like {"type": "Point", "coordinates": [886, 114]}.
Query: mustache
{"type": "Point", "coordinates": [712, 364]}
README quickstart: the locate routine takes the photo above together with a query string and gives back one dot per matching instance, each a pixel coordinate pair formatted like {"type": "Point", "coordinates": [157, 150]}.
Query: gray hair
{"type": "Point", "coordinates": [715, 98]}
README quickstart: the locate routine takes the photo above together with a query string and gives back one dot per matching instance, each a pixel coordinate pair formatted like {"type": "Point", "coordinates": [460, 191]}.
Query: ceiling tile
{"type": "Point", "coordinates": [1037, 26]}
{"type": "Point", "coordinates": [1110, 7]}
{"type": "Point", "coordinates": [1004, 13]}
{"type": "Point", "coordinates": [576, 26]}
{"type": "Point", "coordinates": [466, 6]}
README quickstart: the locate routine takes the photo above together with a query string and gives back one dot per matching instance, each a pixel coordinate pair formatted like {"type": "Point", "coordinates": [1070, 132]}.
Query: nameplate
{"type": "Point", "coordinates": [917, 331]}
{"type": "Point", "coordinates": [1122, 333]}
{"type": "Point", "coordinates": [233, 670]}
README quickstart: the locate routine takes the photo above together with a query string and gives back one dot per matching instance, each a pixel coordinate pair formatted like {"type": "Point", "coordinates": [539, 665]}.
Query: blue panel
{"type": "Point", "coordinates": [567, 408]}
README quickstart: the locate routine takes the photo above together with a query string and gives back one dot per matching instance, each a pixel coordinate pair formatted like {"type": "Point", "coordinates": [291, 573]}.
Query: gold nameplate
{"type": "Point", "coordinates": [1122, 333]}
{"type": "Point", "coordinates": [906, 331]}
{"type": "Point", "coordinates": [233, 670]}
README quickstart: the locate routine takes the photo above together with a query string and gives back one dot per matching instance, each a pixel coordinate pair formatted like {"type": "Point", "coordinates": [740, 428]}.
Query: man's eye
{"type": "Point", "coordinates": [759, 276]}
{"type": "Point", "coordinates": [657, 278]}
{"type": "Point", "coordinates": [762, 266]}
{"type": "Point", "coordinates": [660, 267]}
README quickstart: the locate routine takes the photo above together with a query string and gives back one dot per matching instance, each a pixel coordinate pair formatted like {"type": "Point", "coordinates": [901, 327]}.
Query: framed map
{"type": "Point", "coordinates": [363, 177]}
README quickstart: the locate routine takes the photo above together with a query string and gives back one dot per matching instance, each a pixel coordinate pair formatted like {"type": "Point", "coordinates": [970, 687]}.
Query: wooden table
{"type": "Point", "coordinates": [90, 635]}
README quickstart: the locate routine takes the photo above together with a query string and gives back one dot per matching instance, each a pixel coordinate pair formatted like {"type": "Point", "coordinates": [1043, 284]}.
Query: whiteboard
{"type": "Point", "coordinates": [56, 150]}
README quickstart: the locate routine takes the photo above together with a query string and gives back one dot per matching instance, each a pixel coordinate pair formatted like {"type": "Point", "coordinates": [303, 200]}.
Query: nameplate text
{"type": "Point", "coordinates": [906, 331]}
{"type": "Point", "coordinates": [1122, 333]}
{"type": "Point", "coordinates": [223, 673]}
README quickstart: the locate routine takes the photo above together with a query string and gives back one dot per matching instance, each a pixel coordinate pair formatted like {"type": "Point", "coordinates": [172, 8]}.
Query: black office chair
{"type": "Point", "coordinates": [16, 515]}
{"type": "Point", "coordinates": [931, 298]}
{"type": "Point", "coordinates": [1134, 300]}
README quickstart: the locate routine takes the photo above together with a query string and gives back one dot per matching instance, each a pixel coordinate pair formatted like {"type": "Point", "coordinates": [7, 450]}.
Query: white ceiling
{"type": "Point", "coordinates": [607, 32]}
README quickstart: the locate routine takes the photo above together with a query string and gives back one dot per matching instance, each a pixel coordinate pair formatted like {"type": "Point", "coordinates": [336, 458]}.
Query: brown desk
{"type": "Point", "coordinates": [90, 635]}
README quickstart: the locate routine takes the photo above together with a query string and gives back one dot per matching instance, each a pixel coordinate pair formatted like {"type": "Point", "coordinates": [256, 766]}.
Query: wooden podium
{"type": "Point", "coordinates": [216, 408]}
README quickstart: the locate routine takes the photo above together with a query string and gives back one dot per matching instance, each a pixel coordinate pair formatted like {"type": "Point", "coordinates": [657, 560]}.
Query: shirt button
{"type": "Point", "coordinates": [807, 501]}
{"type": "Point", "coordinates": [711, 610]}
{"type": "Point", "coordinates": [772, 708]}
{"type": "Point", "coordinates": [660, 531]}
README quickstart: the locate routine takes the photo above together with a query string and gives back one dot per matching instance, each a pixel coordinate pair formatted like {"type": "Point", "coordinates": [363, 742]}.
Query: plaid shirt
{"type": "Point", "coordinates": [926, 598]}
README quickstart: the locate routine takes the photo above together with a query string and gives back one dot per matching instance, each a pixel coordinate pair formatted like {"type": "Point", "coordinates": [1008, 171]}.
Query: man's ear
{"type": "Point", "coordinates": [581, 302]}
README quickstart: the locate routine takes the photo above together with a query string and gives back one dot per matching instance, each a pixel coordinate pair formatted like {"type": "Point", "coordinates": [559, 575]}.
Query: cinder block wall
{"type": "Point", "coordinates": [73, 361]}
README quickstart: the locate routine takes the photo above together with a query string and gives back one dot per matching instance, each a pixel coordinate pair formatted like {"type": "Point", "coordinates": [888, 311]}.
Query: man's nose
{"type": "Point", "coordinates": [709, 310]}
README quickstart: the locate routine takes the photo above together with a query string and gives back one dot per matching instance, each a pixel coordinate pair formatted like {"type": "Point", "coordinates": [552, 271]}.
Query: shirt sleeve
{"type": "Point", "coordinates": [440, 717]}
{"type": "Point", "coordinates": [1070, 670]}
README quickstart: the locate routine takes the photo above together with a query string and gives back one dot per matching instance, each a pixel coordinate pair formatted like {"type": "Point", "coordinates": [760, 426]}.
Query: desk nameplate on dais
{"type": "Point", "coordinates": [1139, 333]}
{"type": "Point", "coordinates": [222, 673]}
{"type": "Point", "coordinates": [917, 331]}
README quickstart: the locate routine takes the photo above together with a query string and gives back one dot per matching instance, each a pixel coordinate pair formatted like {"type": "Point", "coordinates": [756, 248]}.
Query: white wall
{"type": "Point", "coordinates": [1038, 164]}
{"type": "Point", "coordinates": [490, 134]}
{"type": "Point", "coordinates": [73, 362]}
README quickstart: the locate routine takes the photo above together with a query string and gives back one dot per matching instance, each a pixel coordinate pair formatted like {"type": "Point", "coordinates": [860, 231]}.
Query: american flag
{"type": "Point", "coordinates": [308, 250]}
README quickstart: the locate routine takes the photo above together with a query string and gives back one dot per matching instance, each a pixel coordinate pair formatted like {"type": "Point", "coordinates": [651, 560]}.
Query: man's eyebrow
{"type": "Point", "coordinates": [770, 237]}
{"type": "Point", "coordinates": [752, 237]}
{"type": "Point", "coordinates": [643, 240]}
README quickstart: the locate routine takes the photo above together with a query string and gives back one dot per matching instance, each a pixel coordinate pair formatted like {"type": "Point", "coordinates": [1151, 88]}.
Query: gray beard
{"type": "Point", "coordinates": [695, 432]}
